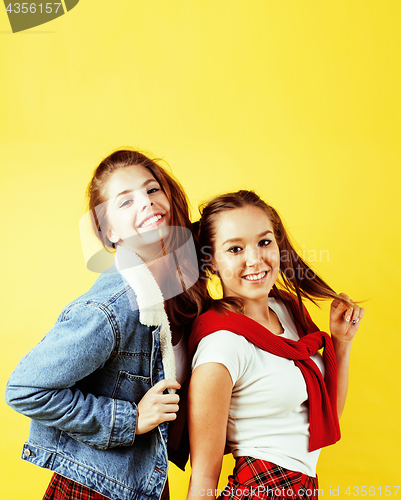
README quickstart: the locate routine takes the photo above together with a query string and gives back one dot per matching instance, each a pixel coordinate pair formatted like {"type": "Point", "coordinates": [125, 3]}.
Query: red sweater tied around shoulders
{"type": "Point", "coordinates": [322, 392]}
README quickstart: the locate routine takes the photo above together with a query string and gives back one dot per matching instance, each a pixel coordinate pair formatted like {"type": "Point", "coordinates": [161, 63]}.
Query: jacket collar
{"type": "Point", "coordinates": [150, 302]}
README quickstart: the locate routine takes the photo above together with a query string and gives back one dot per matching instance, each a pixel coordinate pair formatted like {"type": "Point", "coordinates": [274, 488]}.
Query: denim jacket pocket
{"type": "Point", "coordinates": [131, 387]}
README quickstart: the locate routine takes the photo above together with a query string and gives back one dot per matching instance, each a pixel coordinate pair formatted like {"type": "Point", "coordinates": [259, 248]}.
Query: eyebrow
{"type": "Point", "coordinates": [131, 190]}
{"type": "Point", "coordinates": [233, 240]}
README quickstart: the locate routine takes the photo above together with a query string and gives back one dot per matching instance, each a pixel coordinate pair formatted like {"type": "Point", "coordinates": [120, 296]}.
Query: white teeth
{"type": "Point", "coordinates": [151, 221]}
{"type": "Point", "coordinates": [254, 277]}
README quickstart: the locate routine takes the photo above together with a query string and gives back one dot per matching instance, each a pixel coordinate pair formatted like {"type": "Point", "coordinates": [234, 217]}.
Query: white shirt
{"type": "Point", "coordinates": [268, 416]}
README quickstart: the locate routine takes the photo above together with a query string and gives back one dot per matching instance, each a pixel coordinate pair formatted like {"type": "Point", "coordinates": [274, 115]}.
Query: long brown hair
{"type": "Point", "coordinates": [181, 309]}
{"type": "Point", "coordinates": [295, 274]}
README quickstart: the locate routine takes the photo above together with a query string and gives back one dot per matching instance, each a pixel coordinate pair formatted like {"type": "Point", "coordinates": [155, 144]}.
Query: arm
{"type": "Point", "coordinates": [209, 398]}
{"type": "Point", "coordinates": [342, 332]}
{"type": "Point", "coordinates": [45, 386]}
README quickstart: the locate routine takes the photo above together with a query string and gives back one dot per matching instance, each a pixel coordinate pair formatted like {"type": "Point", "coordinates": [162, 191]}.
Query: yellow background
{"type": "Point", "coordinates": [299, 100]}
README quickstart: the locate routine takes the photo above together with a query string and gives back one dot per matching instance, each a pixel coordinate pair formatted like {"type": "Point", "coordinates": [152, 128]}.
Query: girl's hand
{"type": "Point", "coordinates": [345, 319]}
{"type": "Point", "coordinates": [156, 407]}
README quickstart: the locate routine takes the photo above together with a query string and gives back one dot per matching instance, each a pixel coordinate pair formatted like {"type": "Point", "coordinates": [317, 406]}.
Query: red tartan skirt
{"type": "Point", "coordinates": [255, 479]}
{"type": "Point", "coordinates": [62, 488]}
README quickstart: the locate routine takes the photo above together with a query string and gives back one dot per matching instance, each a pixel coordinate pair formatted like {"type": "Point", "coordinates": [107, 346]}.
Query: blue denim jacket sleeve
{"type": "Point", "coordinates": [42, 386]}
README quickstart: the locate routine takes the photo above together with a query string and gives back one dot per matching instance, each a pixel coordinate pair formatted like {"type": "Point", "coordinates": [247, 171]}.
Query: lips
{"type": "Point", "coordinates": [255, 277]}
{"type": "Point", "coordinates": [150, 221]}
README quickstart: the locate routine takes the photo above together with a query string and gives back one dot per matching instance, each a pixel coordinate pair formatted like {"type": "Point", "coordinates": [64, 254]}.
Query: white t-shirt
{"type": "Point", "coordinates": [268, 417]}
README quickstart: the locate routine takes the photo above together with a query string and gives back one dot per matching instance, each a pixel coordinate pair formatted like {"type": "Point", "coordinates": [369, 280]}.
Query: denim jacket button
{"type": "Point", "coordinates": [27, 453]}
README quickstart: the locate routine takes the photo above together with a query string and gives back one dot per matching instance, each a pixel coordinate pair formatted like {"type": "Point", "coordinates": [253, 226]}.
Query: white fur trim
{"type": "Point", "coordinates": [150, 303]}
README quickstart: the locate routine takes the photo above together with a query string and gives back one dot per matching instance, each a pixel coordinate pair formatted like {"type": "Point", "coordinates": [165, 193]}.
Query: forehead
{"type": "Point", "coordinates": [243, 223]}
{"type": "Point", "coordinates": [129, 178]}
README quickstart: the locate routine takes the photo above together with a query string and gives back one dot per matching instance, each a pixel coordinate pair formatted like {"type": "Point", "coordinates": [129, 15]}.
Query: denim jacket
{"type": "Point", "coordinates": [80, 386]}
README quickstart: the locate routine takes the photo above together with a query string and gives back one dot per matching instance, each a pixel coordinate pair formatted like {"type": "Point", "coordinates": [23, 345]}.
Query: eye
{"type": "Point", "coordinates": [153, 190]}
{"type": "Point", "coordinates": [264, 243]}
{"type": "Point", "coordinates": [126, 203]}
{"type": "Point", "coordinates": [235, 249]}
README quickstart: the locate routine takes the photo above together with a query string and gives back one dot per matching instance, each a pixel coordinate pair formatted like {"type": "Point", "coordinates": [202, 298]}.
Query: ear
{"type": "Point", "coordinates": [213, 267]}
{"type": "Point", "coordinates": [112, 236]}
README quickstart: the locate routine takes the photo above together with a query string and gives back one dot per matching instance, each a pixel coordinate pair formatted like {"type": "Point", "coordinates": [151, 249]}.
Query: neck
{"type": "Point", "coordinates": [158, 268]}
{"type": "Point", "coordinates": [147, 252]}
{"type": "Point", "coordinates": [259, 311]}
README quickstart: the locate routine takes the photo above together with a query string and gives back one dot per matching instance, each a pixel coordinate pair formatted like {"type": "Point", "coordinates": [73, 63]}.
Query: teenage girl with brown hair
{"type": "Point", "coordinates": [259, 384]}
{"type": "Point", "coordinates": [100, 387]}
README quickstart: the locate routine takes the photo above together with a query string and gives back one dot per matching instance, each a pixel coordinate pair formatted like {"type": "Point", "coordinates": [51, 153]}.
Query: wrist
{"type": "Point", "coordinates": [341, 341]}
{"type": "Point", "coordinates": [342, 347]}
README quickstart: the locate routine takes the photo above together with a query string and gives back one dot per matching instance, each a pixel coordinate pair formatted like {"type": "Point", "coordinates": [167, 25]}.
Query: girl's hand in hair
{"type": "Point", "coordinates": [345, 318]}
{"type": "Point", "coordinates": [156, 407]}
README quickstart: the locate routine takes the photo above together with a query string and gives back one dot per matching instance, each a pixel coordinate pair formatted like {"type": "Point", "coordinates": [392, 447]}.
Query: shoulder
{"type": "Point", "coordinates": [226, 348]}
{"type": "Point", "coordinates": [108, 288]}
{"type": "Point", "coordinates": [207, 323]}
{"type": "Point", "coordinates": [212, 320]}
{"type": "Point", "coordinates": [224, 339]}
{"type": "Point", "coordinates": [223, 347]}
{"type": "Point", "coordinates": [109, 296]}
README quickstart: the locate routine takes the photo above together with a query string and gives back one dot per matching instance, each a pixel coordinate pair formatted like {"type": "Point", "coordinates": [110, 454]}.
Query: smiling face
{"type": "Point", "coordinates": [136, 203]}
{"type": "Point", "coordinates": [246, 254]}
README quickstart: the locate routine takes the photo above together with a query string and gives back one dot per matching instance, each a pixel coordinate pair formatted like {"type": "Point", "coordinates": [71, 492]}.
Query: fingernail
{"type": "Point", "coordinates": [348, 318]}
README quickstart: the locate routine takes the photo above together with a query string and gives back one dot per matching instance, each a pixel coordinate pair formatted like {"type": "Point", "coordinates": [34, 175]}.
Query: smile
{"type": "Point", "coordinates": [151, 220]}
{"type": "Point", "coordinates": [255, 277]}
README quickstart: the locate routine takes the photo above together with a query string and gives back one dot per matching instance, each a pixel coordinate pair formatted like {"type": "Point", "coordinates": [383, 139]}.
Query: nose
{"type": "Point", "coordinates": [144, 200]}
{"type": "Point", "coordinates": [146, 205]}
{"type": "Point", "coordinates": [253, 257]}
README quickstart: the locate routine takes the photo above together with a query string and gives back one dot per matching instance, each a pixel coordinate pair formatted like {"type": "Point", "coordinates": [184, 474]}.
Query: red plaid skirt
{"type": "Point", "coordinates": [255, 479]}
{"type": "Point", "coordinates": [62, 488]}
